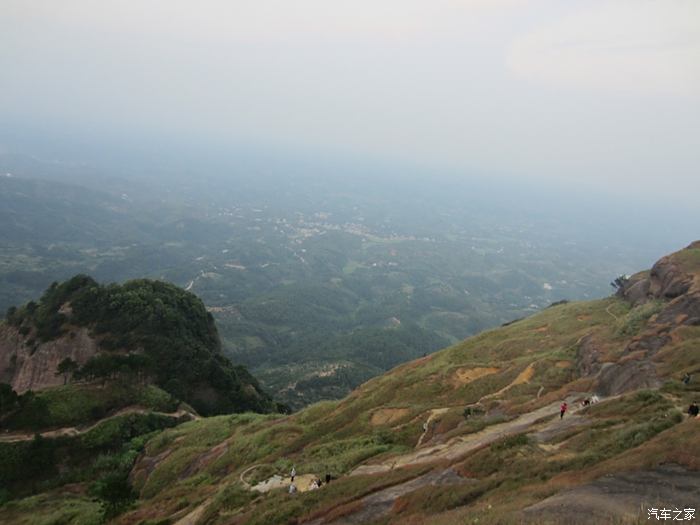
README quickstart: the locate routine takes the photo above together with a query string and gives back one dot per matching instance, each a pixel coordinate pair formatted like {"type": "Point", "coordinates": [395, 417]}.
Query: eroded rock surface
{"type": "Point", "coordinates": [33, 366]}
{"type": "Point", "coordinates": [620, 498]}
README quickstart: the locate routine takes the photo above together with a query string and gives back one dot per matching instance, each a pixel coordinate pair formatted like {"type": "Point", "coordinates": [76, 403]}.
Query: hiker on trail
{"type": "Point", "coordinates": [693, 409]}
{"type": "Point", "coordinates": [425, 426]}
{"type": "Point", "coordinates": [594, 399]}
{"type": "Point", "coordinates": [292, 488]}
{"type": "Point", "coordinates": [686, 379]}
{"type": "Point", "coordinates": [293, 474]}
{"type": "Point", "coordinates": [564, 407]}
{"type": "Point", "coordinates": [586, 402]}
{"type": "Point", "coordinates": [328, 478]}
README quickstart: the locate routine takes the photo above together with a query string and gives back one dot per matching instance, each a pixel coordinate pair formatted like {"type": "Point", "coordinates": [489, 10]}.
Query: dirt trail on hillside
{"type": "Point", "coordinates": [523, 377]}
{"type": "Point", "coordinates": [433, 414]}
{"type": "Point", "coordinates": [380, 503]}
{"type": "Point", "coordinates": [75, 431]}
{"type": "Point", "coordinates": [193, 517]}
{"type": "Point", "coordinates": [245, 484]}
{"type": "Point", "coordinates": [461, 445]}
{"type": "Point", "coordinates": [607, 310]}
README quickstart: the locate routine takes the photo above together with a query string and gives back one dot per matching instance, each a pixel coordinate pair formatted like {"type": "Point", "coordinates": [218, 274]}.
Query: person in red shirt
{"type": "Point", "coordinates": [563, 409]}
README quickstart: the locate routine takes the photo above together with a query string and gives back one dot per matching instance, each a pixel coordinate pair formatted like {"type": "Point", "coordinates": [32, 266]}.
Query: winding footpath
{"type": "Point", "coordinates": [607, 310]}
{"type": "Point", "coordinates": [461, 445]}
{"type": "Point", "coordinates": [75, 431]}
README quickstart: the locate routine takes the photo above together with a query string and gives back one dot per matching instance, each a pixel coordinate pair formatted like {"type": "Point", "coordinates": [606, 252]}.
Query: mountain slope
{"type": "Point", "coordinates": [470, 433]}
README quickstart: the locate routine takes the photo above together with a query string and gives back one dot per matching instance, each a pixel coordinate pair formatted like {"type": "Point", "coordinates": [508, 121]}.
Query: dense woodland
{"type": "Point", "coordinates": [149, 330]}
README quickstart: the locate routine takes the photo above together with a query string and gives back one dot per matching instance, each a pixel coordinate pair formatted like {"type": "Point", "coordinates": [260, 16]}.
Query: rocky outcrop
{"type": "Point", "coordinates": [32, 366]}
{"type": "Point", "coordinates": [616, 378]}
{"type": "Point", "coordinates": [626, 497]}
{"type": "Point", "coordinates": [666, 280]}
{"type": "Point", "coordinates": [636, 290]}
{"type": "Point", "coordinates": [588, 357]}
{"type": "Point", "coordinates": [674, 282]}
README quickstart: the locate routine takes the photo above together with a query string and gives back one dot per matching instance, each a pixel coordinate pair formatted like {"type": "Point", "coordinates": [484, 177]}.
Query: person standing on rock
{"type": "Point", "coordinates": [293, 474]}
{"type": "Point", "coordinates": [563, 408]}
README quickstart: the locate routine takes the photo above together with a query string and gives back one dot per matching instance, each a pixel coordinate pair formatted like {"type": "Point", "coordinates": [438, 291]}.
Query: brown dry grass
{"type": "Point", "coordinates": [462, 376]}
{"type": "Point", "coordinates": [388, 416]}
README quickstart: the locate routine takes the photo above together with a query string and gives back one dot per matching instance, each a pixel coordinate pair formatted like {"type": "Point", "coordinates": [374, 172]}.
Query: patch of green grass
{"type": "Point", "coordinates": [641, 405]}
{"type": "Point", "coordinates": [681, 355]}
{"type": "Point", "coordinates": [169, 470]}
{"type": "Point", "coordinates": [156, 399]}
{"type": "Point", "coordinates": [688, 260]}
{"type": "Point", "coordinates": [636, 418]}
{"type": "Point", "coordinates": [517, 440]}
{"type": "Point", "coordinates": [250, 441]}
{"type": "Point", "coordinates": [231, 498]}
{"type": "Point", "coordinates": [341, 455]}
{"type": "Point", "coordinates": [52, 509]}
{"type": "Point", "coordinates": [636, 318]}
{"type": "Point", "coordinates": [79, 404]}
{"type": "Point", "coordinates": [431, 499]}
{"type": "Point", "coordinates": [113, 432]}
{"type": "Point", "coordinates": [205, 432]}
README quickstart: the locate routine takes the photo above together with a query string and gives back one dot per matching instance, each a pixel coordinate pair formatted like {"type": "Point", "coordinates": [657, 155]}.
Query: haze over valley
{"type": "Point", "coordinates": [349, 263]}
{"type": "Point", "coordinates": [321, 281]}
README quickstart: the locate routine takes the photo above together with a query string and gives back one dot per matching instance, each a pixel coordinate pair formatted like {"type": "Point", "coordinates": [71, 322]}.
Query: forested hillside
{"type": "Point", "coordinates": [148, 329]}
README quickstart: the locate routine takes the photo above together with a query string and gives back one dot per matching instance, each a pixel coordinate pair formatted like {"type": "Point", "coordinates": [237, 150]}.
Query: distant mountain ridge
{"type": "Point", "coordinates": [99, 327]}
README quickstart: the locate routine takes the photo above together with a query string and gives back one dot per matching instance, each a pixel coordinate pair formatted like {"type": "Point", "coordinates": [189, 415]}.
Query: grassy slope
{"type": "Point", "coordinates": [197, 465]}
{"type": "Point", "coordinates": [61, 468]}
{"type": "Point", "coordinates": [339, 435]}
{"type": "Point", "coordinates": [84, 403]}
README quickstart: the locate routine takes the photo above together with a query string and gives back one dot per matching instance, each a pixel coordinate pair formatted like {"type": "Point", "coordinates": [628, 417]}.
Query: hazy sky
{"type": "Point", "coordinates": [597, 92]}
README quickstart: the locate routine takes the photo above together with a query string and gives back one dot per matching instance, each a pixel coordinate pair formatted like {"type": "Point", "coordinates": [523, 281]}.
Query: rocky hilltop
{"type": "Point", "coordinates": [471, 434]}
{"type": "Point", "coordinates": [675, 278]}
{"type": "Point", "coordinates": [169, 329]}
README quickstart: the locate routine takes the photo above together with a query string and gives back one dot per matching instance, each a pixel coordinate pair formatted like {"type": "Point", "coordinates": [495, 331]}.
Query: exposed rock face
{"type": "Point", "coordinates": [34, 367]}
{"type": "Point", "coordinates": [618, 378]}
{"type": "Point", "coordinates": [620, 498]}
{"type": "Point", "coordinates": [666, 280]}
{"type": "Point", "coordinates": [636, 291]}
{"type": "Point", "coordinates": [588, 357]}
{"type": "Point", "coordinates": [670, 280]}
